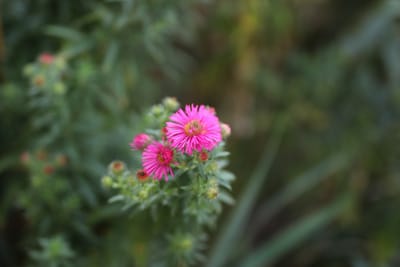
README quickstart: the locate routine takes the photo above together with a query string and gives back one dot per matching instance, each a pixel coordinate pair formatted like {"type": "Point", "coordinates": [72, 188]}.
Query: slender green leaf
{"type": "Point", "coordinates": [295, 234]}
{"type": "Point", "coordinates": [64, 33]}
{"type": "Point", "coordinates": [299, 186]}
{"type": "Point", "coordinates": [237, 219]}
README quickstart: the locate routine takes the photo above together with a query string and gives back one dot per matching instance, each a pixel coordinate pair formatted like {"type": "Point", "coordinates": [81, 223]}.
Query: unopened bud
{"type": "Point", "coordinates": [60, 62]}
{"type": "Point", "coordinates": [157, 110]}
{"type": "Point", "coordinates": [203, 156]}
{"type": "Point", "coordinates": [142, 175]}
{"type": "Point", "coordinates": [46, 58]}
{"type": "Point", "coordinates": [106, 181]}
{"type": "Point", "coordinates": [38, 80]}
{"type": "Point", "coordinates": [28, 70]}
{"type": "Point", "coordinates": [59, 88]}
{"type": "Point", "coordinates": [62, 160]}
{"type": "Point", "coordinates": [140, 141]}
{"type": "Point", "coordinates": [211, 109]}
{"type": "Point", "coordinates": [171, 103]}
{"type": "Point", "coordinates": [212, 167]}
{"type": "Point", "coordinates": [143, 194]}
{"type": "Point", "coordinates": [36, 181]}
{"type": "Point", "coordinates": [212, 192]}
{"type": "Point", "coordinates": [25, 158]}
{"type": "Point", "coordinates": [186, 244]}
{"type": "Point", "coordinates": [41, 154]}
{"type": "Point", "coordinates": [225, 130]}
{"type": "Point", "coordinates": [48, 169]}
{"type": "Point", "coordinates": [116, 167]}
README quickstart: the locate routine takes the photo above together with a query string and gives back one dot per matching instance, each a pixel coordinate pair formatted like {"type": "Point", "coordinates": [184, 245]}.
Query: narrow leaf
{"type": "Point", "coordinates": [294, 235]}
{"type": "Point", "coordinates": [229, 233]}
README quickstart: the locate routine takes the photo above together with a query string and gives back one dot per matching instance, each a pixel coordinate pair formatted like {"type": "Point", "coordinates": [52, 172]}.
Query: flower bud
{"type": "Point", "coordinates": [25, 158]}
{"type": "Point", "coordinates": [36, 181]}
{"type": "Point", "coordinates": [62, 160]}
{"type": "Point", "coordinates": [212, 192]}
{"type": "Point", "coordinates": [186, 244]}
{"type": "Point", "coordinates": [157, 110]}
{"type": "Point", "coordinates": [48, 169]}
{"type": "Point", "coordinates": [171, 103]}
{"type": "Point", "coordinates": [60, 62]}
{"type": "Point", "coordinates": [212, 167]}
{"type": "Point", "coordinates": [142, 175]}
{"type": "Point", "coordinates": [225, 130]}
{"type": "Point", "coordinates": [106, 181]}
{"type": "Point", "coordinates": [203, 156]}
{"type": "Point", "coordinates": [182, 243]}
{"type": "Point", "coordinates": [59, 88]}
{"type": "Point", "coordinates": [211, 109]}
{"type": "Point", "coordinates": [41, 154]}
{"type": "Point", "coordinates": [28, 70]}
{"type": "Point", "coordinates": [140, 141]}
{"type": "Point", "coordinates": [116, 167]}
{"type": "Point", "coordinates": [46, 58]}
{"type": "Point", "coordinates": [38, 80]}
{"type": "Point", "coordinates": [143, 194]}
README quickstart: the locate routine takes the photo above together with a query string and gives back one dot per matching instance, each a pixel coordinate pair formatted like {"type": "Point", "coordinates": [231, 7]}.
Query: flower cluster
{"type": "Point", "coordinates": [43, 169]}
{"type": "Point", "coordinates": [192, 130]}
{"type": "Point", "coordinates": [46, 74]}
{"type": "Point", "coordinates": [180, 179]}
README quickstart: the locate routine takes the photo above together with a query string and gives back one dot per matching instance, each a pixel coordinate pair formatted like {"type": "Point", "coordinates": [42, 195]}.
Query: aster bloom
{"type": "Point", "coordinates": [140, 141]}
{"type": "Point", "coordinates": [195, 128]}
{"type": "Point", "coordinates": [157, 159]}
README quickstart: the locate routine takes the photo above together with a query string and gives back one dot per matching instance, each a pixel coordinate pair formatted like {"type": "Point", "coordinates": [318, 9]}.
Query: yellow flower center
{"type": "Point", "coordinates": [193, 128]}
{"type": "Point", "coordinates": [161, 159]}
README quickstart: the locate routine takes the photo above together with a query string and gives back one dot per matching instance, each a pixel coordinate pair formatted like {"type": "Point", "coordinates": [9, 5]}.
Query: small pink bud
{"type": "Point", "coordinates": [25, 158]}
{"type": "Point", "coordinates": [46, 58]}
{"type": "Point", "coordinates": [211, 109]}
{"type": "Point", "coordinates": [140, 141]}
{"type": "Point", "coordinates": [225, 130]}
{"type": "Point", "coordinates": [203, 156]}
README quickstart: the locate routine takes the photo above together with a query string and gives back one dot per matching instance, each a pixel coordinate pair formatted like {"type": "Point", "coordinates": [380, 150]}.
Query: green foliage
{"type": "Point", "coordinates": [180, 208]}
{"type": "Point", "coordinates": [53, 252]}
{"type": "Point", "coordinates": [331, 68]}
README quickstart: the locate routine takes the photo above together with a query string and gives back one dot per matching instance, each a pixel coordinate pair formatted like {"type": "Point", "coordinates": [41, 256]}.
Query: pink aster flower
{"type": "Point", "coordinates": [157, 159]}
{"type": "Point", "coordinates": [140, 141]}
{"type": "Point", "coordinates": [195, 128]}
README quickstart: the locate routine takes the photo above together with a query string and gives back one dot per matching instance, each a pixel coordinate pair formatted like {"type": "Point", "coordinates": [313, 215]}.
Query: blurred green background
{"type": "Point", "coordinates": [311, 89]}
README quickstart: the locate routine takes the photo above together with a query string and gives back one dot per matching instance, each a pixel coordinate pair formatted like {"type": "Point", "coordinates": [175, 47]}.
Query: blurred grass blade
{"type": "Point", "coordinates": [295, 234]}
{"type": "Point", "coordinates": [78, 48]}
{"type": "Point", "coordinates": [64, 33]}
{"type": "Point", "coordinates": [299, 186]}
{"type": "Point", "coordinates": [373, 29]}
{"type": "Point", "coordinates": [229, 233]}
{"type": "Point", "coordinates": [110, 57]}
